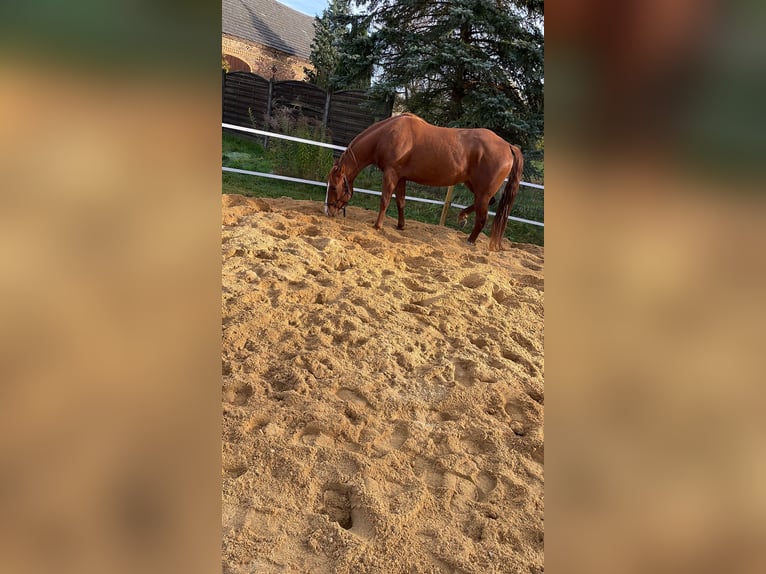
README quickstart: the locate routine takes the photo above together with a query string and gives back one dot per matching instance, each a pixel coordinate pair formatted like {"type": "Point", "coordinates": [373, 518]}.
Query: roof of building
{"type": "Point", "coordinates": [269, 23]}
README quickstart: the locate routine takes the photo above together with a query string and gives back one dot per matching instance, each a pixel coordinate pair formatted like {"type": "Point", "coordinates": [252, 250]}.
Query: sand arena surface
{"type": "Point", "coordinates": [382, 396]}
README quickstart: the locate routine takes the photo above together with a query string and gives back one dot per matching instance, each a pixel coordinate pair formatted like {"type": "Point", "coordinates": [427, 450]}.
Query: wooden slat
{"type": "Point", "coordinates": [346, 116]}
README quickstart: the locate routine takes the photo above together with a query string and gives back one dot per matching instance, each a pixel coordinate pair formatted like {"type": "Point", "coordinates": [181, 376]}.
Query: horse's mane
{"type": "Point", "coordinates": [383, 123]}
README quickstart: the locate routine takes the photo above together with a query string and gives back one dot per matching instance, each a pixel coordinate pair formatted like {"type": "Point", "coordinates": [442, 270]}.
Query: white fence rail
{"type": "Point", "coordinates": [356, 189]}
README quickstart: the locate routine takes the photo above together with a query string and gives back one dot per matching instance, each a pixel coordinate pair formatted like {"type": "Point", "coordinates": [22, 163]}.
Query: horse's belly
{"type": "Point", "coordinates": [438, 179]}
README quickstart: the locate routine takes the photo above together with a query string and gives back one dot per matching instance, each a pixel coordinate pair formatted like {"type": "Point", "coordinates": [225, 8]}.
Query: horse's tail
{"type": "Point", "coordinates": [506, 201]}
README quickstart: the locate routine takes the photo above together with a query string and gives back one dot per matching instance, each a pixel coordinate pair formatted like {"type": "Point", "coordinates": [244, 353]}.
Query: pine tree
{"type": "Point", "coordinates": [340, 52]}
{"type": "Point", "coordinates": [467, 63]}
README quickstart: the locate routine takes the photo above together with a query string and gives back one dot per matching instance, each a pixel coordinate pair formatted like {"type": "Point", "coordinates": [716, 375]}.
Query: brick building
{"type": "Point", "coordinates": [267, 38]}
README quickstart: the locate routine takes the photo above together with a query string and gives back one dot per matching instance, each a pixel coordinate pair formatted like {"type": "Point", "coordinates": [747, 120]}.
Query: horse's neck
{"type": "Point", "coordinates": [362, 150]}
{"type": "Point", "coordinates": [358, 157]}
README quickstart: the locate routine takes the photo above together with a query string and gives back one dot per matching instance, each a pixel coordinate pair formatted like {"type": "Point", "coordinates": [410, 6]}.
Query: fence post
{"type": "Point", "coordinates": [268, 109]}
{"type": "Point", "coordinates": [271, 89]}
{"type": "Point", "coordinates": [447, 202]}
{"type": "Point", "coordinates": [326, 116]}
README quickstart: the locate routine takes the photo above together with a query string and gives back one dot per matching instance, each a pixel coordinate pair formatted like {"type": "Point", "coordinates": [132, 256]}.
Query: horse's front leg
{"type": "Point", "coordinates": [400, 192]}
{"type": "Point", "coordinates": [385, 198]}
{"type": "Point", "coordinates": [389, 183]}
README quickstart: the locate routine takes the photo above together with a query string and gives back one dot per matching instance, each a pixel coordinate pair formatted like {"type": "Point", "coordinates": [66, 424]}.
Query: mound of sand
{"type": "Point", "coordinates": [382, 396]}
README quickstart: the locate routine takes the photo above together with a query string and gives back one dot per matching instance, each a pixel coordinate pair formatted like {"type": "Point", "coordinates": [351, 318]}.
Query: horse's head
{"type": "Point", "coordinates": [339, 190]}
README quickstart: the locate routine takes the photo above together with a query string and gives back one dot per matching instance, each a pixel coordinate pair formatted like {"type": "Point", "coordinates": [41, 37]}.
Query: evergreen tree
{"type": "Point", "coordinates": [340, 52]}
{"type": "Point", "coordinates": [467, 63]}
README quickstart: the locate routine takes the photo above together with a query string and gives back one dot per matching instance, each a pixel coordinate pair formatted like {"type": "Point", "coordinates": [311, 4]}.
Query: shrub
{"type": "Point", "coordinates": [293, 158]}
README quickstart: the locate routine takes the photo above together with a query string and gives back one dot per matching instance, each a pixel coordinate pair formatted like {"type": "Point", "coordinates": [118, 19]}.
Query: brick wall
{"type": "Point", "coordinates": [261, 59]}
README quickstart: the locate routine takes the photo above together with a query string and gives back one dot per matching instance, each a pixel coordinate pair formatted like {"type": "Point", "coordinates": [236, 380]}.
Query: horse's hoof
{"type": "Point", "coordinates": [462, 222]}
{"type": "Point", "coordinates": [400, 227]}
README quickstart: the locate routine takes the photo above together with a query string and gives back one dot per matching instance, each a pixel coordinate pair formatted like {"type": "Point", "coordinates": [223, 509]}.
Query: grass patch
{"type": "Point", "coordinates": [250, 154]}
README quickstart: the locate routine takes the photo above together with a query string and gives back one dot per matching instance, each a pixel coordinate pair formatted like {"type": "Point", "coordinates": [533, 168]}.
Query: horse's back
{"type": "Point", "coordinates": [469, 139]}
{"type": "Point", "coordinates": [434, 155]}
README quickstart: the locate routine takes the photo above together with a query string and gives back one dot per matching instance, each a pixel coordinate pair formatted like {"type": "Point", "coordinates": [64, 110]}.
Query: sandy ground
{"type": "Point", "coordinates": [382, 396]}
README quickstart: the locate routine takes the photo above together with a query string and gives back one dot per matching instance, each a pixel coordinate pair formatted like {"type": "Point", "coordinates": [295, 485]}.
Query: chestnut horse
{"type": "Point", "coordinates": [406, 148]}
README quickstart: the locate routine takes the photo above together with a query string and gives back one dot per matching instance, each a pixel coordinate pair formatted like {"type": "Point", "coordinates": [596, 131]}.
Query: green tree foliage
{"type": "Point", "coordinates": [340, 52]}
{"type": "Point", "coordinates": [460, 63]}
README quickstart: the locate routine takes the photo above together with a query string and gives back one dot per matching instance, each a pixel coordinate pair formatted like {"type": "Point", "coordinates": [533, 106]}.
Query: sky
{"type": "Point", "coordinates": [310, 7]}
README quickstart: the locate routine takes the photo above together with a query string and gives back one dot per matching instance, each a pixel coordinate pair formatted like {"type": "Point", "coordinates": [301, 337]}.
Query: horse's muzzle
{"type": "Point", "coordinates": [332, 210]}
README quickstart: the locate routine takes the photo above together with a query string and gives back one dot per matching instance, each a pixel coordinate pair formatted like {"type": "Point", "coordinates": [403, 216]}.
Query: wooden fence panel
{"type": "Point", "coordinates": [305, 98]}
{"type": "Point", "coordinates": [345, 113]}
{"type": "Point", "coordinates": [243, 91]}
{"type": "Point", "coordinates": [351, 112]}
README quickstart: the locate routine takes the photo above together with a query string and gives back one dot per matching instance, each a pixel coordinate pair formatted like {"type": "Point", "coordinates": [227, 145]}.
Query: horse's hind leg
{"type": "Point", "coordinates": [462, 217]}
{"type": "Point", "coordinates": [400, 189]}
{"type": "Point", "coordinates": [481, 218]}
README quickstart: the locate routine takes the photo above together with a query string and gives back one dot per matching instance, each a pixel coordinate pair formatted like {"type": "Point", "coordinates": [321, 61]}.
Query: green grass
{"type": "Point", "coordinates": [249, 154]}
